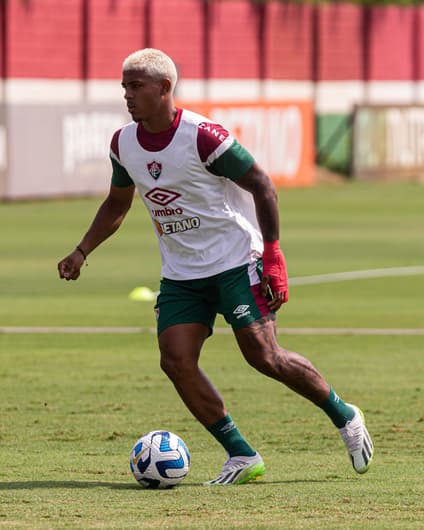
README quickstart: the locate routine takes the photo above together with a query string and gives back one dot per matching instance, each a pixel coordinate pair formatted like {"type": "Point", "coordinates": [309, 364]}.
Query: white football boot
{"type": "Point", "coordinates": [239, 470]}
{"type": "Point", "coordinates": [358, 441]}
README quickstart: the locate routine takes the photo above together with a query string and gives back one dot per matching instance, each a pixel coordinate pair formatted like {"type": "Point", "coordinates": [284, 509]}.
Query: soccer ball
{"type": "Point", "coordinates": [159, 459]}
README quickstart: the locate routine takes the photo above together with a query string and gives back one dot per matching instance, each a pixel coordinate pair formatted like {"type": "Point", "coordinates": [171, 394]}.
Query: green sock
{"type": "Point", "coordinates": [227, 434]}
{"type": "Point", "coordinates": [337, 410]}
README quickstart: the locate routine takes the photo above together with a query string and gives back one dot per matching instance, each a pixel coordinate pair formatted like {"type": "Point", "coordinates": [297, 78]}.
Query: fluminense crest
{"type": "Point", "coordinates": [155, 169]}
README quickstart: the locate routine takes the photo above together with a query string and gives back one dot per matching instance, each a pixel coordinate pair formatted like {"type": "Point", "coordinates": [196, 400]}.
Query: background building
{"type": "Point", "coordinates": [61, 96]}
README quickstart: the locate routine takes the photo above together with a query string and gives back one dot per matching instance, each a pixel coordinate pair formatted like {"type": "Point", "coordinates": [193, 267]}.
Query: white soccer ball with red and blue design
{"type": "Point", "coordinates": [159, 459]}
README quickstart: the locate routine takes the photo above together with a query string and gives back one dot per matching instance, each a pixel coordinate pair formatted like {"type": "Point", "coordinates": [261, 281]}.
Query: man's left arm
{"type": "Point", "coordinates": [258, 183]}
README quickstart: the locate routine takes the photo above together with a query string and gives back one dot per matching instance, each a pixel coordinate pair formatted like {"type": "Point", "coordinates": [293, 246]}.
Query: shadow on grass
{"type": "Point", "coordinates": [72, 484]}
{"type": "Point", "coordinates": [75, 484]}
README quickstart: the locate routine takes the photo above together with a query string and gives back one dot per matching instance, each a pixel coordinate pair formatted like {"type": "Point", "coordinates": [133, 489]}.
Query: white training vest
{"type": "Point", "coordinates": [204, 224]}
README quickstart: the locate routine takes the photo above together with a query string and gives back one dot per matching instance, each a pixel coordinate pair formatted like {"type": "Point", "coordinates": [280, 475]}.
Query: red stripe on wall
{"type": "Point", "coordinates": [44, 39]}
{"type": "Point", "coordinates": [340, 34]}
{"type": "Point", "coordinates": [3, 39]}
{"type": "Point", "coordinates": [116, 29]}
{"type": "Point", "coordinates": [234, 40]}
{"type": "Point", "coordinates": [177, 29]}
{"type": "Point", "coordinates": [288, 41]}
{"type": "Point", "coordinates": [390, 43]}
{"type": "Point", "coordinates": [418, 47]}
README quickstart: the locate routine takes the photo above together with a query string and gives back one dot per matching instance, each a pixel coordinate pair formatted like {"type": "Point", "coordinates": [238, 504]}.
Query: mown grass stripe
{"type": "Point", "coordinates": [357, 275]}
{"type": "Point", "coordinates": [219, 331]}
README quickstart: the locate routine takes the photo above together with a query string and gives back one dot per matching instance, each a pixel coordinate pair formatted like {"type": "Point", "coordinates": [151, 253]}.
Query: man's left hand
{"type": "Point", "coordinates": [275, 275]}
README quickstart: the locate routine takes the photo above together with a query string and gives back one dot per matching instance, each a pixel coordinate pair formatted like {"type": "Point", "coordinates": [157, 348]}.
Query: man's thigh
{"type": "Point", "coordinates": [240, 298]}
{"type": "Point", "coordinates": [184, 302]}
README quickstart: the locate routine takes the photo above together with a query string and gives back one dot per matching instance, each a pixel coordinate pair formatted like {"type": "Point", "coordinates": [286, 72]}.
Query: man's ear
{"type": "Point", "coordinates": [165, 87]}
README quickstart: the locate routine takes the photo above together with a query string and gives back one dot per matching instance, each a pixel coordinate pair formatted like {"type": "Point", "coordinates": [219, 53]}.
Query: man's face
{"type": "Point", "coordinates": [142, 93]}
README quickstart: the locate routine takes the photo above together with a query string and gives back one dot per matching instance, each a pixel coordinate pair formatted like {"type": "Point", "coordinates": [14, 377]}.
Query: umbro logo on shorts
{"type": "Point", "coordinates": [241, 311]}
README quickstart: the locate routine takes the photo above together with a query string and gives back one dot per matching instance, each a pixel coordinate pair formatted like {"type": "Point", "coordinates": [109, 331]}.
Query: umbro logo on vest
{"type": "Point", "coordinates": [155, 169]}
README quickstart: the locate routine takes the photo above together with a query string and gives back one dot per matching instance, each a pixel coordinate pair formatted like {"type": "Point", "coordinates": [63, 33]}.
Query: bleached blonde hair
{"type": "Point", "coordinates": [155, 63]}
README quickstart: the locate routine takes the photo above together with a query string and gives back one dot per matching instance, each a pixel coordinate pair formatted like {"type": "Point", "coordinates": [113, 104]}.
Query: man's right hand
{"type": "Point", "coordinates": [70, 267]}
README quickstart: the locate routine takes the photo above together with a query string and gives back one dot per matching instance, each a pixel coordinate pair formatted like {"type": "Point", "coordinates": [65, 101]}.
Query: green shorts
{"type": "Point", "coordinates": [235, 294]}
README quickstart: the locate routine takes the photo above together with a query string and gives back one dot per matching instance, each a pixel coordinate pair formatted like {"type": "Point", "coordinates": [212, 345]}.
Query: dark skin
{"type": "Point", "coordinates": [150, 101]}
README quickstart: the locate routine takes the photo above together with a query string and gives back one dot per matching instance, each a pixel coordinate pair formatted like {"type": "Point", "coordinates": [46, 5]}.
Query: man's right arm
{"type": "Point", "coordinates": [107, 220]}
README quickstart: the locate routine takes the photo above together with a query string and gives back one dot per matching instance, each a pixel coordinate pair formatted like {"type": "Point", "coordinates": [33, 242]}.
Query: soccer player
{"type": "Point", "coordinates": [215, 214]}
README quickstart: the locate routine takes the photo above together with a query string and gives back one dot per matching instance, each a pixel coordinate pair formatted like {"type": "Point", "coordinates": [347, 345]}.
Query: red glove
{"type": "Point", "coordinates": [274, 267]}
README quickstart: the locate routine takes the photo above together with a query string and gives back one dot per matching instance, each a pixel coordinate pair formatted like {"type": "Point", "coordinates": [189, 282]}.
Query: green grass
{"type": "Point", "coordinates": [325, 229]}
{"type": "Point", "coordinates": [73, 405]}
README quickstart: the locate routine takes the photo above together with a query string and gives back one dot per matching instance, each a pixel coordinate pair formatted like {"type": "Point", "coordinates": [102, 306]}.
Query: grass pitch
{"type": "Point", "coordinates": [73, 405]}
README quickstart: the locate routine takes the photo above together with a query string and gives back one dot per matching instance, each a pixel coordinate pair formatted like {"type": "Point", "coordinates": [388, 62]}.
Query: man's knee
{"type": "Point", "coordinates": [167, 365]}
{"type": "Point", "coordinates": [177, 366]}
{"type": "Point", "coordinates": [180, 347]}
{"type": "Point", "coordinates": [259, 346]}
{"type": "Point", "coordinates": [263, 361]}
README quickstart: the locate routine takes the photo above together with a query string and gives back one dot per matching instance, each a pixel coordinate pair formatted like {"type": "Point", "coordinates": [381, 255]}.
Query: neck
{"type": "Point", "coordinates": [160, 122]}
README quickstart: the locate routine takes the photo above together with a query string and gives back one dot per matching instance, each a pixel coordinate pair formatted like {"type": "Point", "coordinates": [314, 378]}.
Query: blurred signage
{"type": "Point", "coordinates": [57, 150]}
{"type": "Point", "coordinates": [3, 152]}
{"type": "Point", "coordinates": [279, 135]}
{"type": "Point", "coordinates": [62, 150]}
{"type": "Point", "coordinates": [388, 141]}
{"type": "Point", "coordinates": [86, 136]}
